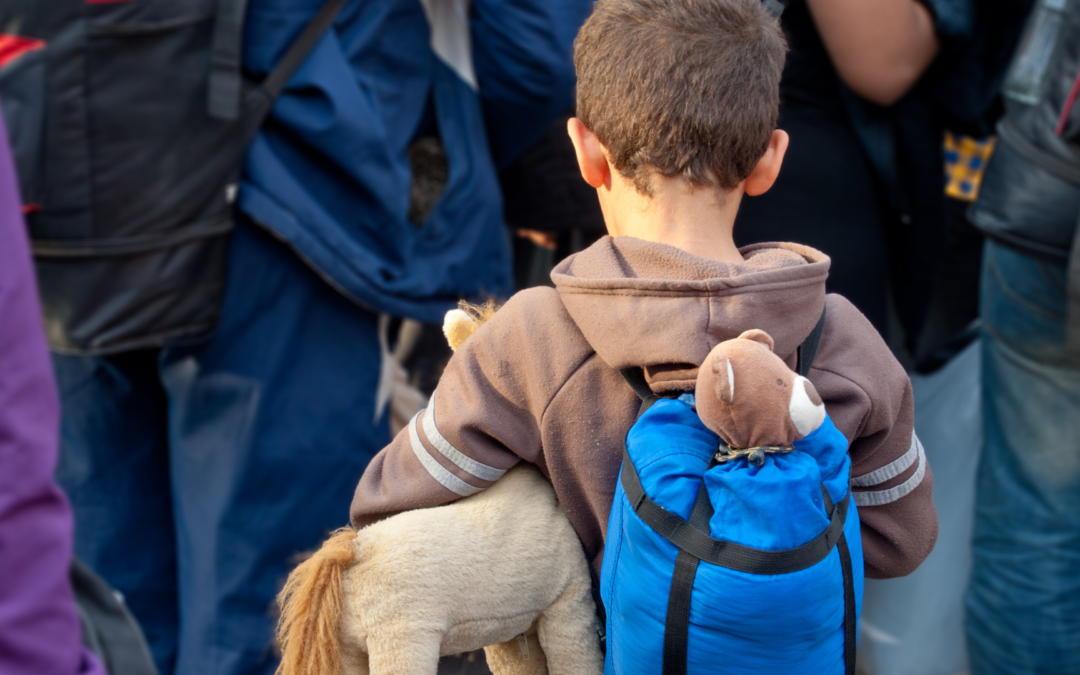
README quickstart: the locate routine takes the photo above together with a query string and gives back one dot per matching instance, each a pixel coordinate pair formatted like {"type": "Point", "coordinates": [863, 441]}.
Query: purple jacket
{"type": "Point", "coordinates": [39, 628]}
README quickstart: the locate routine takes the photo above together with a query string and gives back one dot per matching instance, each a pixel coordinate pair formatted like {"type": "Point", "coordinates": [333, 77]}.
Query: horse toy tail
{"type": "Point", "coordinates": [311, 605]}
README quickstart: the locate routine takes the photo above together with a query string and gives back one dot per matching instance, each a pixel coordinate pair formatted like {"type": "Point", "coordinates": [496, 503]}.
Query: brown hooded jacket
{"type": "Point", "coordinates": [539, 382]}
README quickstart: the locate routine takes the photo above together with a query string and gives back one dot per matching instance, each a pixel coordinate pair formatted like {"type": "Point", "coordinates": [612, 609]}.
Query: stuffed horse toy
{"type": "Point", "coordinates": [501, 570]}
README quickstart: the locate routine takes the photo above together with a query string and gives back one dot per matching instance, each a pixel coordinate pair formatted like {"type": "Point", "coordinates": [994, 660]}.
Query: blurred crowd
{"type": "Point", "coordinates": [248, 218]}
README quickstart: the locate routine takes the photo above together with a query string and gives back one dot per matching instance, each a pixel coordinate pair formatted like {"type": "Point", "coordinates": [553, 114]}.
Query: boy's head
{"type": "Point", "coordinates": [680, 88]}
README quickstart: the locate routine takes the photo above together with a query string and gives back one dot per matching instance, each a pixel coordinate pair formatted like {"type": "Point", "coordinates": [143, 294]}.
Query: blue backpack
{"type": "Point", "coordinates": [781, 587]}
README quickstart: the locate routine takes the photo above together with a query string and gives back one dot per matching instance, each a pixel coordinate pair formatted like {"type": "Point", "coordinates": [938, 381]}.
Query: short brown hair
{"type": "Point", "coordinates": [681, 87]}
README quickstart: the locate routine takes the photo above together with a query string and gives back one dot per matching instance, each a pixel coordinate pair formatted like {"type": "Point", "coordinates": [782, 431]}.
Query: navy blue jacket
{"type": "Point", "coordinates": [329, 172]}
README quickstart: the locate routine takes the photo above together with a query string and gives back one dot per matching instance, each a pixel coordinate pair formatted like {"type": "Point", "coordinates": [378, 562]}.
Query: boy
{"type": "Point", "coordinates": [677, 107]}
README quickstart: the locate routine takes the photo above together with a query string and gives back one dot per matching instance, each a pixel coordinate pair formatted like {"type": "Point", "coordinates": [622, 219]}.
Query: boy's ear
{"type": "Point", "coordinates": [768, 167]}
{"type": "Point", "coordinates": [590, 153]}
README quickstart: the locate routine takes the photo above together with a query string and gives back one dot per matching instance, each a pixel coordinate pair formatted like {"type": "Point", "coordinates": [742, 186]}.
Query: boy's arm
{"type": "Point", "coordinates": [484, 415]}
{"type": "Point", "coordinates": [870, 401]}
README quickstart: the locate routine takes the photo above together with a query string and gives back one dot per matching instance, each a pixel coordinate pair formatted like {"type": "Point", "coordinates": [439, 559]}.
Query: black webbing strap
{"type": "Point", "coordinates": [677, 621]}
{"type": "Point", "coordinates": [703, 511]}
{"type": "Point", "coordinates": [226, 81]}
{"type": "Point", "coordinates": [850, 616]}
{"type": "Point", "coordinates": [262, 97]}
{"type": "Point", "coordinates": [849, 607]}
{"type": "Point", "coordinates": [298, 51]}
{"type": "Point", "coordinates": [808, 349]}
{"type": "Point", "coordinates": [726, 553]}
{"type": "Point", "coordinates": [601, 611]}
{"type": "Point", "coordinates": [635, 377]}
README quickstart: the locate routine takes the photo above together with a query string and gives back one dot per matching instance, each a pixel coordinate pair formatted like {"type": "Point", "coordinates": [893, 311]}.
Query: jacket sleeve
{"type": "Point", "coordinates": [483, 418]}
{"type": "Point", "coordinates": [39, 626]}
{"type": "Point", "coordinates": [870, 400]}
{"type": "Point", "coordinates": [523, 55]}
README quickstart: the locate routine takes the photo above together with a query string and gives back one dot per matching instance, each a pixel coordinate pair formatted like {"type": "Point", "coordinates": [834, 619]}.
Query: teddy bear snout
{"type": "Point", "coordinates": [806, 408]}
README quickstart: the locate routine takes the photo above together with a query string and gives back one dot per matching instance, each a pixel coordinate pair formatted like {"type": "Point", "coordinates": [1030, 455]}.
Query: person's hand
{"type": "Point", "coordinates": [546, 240]}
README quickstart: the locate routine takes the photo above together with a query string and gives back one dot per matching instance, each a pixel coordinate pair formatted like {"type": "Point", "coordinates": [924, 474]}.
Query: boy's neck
{"type": "Point", "coordinates": [698, 221]}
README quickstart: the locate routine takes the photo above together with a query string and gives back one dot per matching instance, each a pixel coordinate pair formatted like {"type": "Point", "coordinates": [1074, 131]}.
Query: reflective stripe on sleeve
{"type": "Point", "coordinates": [459, 459]}
{"type": "Point", "coordinates": [892, 469]}
{"type": "Point", "coordinates": [438, 471]}
{"type": "Point", "coordinates": [880, 497]}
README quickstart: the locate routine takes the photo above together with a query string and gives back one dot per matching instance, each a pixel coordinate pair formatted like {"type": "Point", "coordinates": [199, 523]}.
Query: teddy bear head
{"type": "Point", "coordinates": [748, 395]}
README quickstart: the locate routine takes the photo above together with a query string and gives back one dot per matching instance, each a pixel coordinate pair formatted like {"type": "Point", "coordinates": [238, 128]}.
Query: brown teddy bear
{"type": "Point", "coordinates": [743, 377]}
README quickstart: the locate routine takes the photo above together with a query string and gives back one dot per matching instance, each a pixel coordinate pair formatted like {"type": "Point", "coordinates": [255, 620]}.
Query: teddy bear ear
{"type": "Point", "coordinates": [758, 335]}
{"type": "Point", "coordinates": [724, 377]}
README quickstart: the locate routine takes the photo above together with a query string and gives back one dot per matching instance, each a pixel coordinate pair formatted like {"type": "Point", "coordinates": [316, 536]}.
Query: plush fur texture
{"type": "Point", "coordinates": [393, 597]}
{"type": "Point", "coordinates": [748, 395]}
{"type": "Point", "coordinates": [462, 322]}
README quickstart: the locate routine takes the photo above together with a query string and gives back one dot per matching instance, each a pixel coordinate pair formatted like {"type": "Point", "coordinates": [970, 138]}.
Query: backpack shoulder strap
{"type": "Point", "coordinates": [109, 628]}
{"type": "Point", "coordinates": [635, 377]}
{"type": "Point", "coordinates": [808, 349]}
{"type": "Point", "coordinates": [226, 80]}
{"type": "Point", "coordinates": [223, 98]}
{"type": "Point", "coordinates": [301, 46]}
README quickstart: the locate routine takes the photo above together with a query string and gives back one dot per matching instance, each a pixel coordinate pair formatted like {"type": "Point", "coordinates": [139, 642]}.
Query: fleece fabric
{"type": "Point", "coordinates": [539, 383]}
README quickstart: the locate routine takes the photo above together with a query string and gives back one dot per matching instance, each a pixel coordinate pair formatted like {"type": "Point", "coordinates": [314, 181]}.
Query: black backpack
{"type": "Point", "coordinates": [129, 121]}
{"type": "Point", "coordinates": [1030, 194]}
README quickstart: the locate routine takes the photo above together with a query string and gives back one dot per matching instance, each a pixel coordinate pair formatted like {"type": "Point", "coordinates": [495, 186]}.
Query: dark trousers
{"type": "Point", "coordinates": [197, 474]}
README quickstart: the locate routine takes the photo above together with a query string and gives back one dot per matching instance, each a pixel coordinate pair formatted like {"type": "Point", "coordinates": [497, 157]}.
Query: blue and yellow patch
{"type": "Point", "coordinates": [965, 160]}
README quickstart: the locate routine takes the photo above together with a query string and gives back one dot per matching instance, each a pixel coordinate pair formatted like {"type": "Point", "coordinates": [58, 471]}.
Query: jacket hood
{"type": "Point", "coordinates": [641, 303]}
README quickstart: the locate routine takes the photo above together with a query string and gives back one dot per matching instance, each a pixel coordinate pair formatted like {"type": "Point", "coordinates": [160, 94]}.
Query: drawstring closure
{"type": "Point", "coordinates": [755, 455]}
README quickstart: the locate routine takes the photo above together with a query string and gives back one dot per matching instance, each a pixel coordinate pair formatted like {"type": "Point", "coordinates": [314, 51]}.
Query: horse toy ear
{"type": "Point", "coordinates": [462, 322]}
{"type": "Point", "coordinates": [457, 326]}
{"type": "Point", "coordinates": [725, 377]}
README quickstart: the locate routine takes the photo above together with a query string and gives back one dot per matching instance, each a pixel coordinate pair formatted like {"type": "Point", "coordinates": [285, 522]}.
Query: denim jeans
{"type": "Point", "coordinates": [198, 474]}
{"type": "Point", "coordinates": [1023, 600]}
